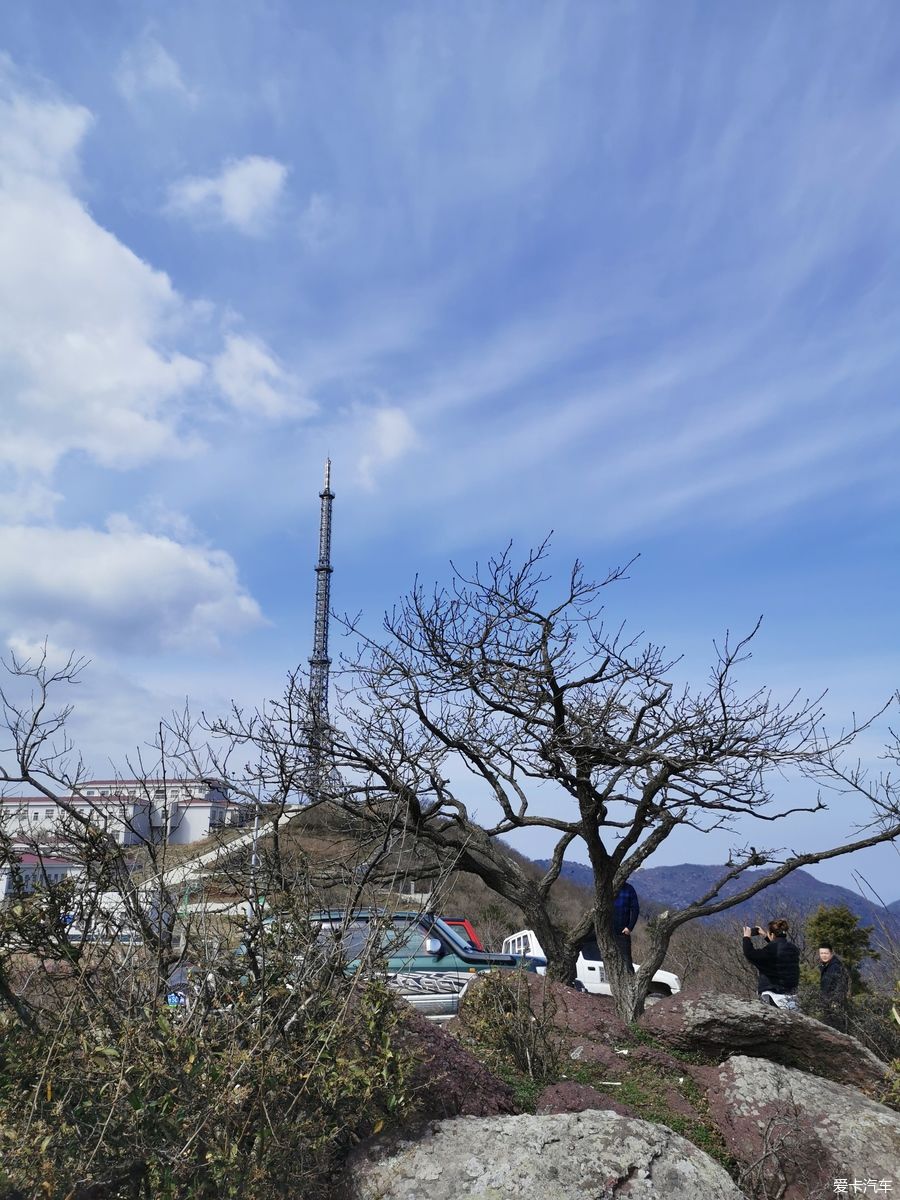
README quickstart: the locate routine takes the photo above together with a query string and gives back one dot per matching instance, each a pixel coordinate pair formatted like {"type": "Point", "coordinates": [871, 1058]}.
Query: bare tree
{"type": "Point", "coordinates": [489, 693]}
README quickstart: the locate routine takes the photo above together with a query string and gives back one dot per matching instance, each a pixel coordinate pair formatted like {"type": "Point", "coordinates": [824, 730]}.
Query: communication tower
{"type": "Point", "coordinates": [319, 662]}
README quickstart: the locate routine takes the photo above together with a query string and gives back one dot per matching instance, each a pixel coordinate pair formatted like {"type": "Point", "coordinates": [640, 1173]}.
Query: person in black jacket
{"type": "Point", "coordinates": [777, 963]}
{"type": "Point", "coordinates": [834, 987]}
{"type": "Point", "coordinates": [626, 910]}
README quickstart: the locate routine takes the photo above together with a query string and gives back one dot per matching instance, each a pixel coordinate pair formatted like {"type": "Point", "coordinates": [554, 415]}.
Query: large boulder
{"type": "Point", "coordinates": [796, 1134]}
{"type": "Point", "coordinates": [569, 1156]}
{"type": "Point", "coordinates": [716, 1025]}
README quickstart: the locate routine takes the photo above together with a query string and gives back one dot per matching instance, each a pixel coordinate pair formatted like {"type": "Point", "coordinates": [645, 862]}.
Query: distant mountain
{"type": "Point", "coordinates": [799, 894]}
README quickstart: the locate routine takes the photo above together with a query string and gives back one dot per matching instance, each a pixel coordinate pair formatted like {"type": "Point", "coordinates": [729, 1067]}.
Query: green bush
{"type": "Point", "coordinates": [255, 1089]}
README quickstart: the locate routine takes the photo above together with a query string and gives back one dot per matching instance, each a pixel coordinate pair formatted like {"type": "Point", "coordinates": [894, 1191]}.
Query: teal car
{"type": "Point", "coordinates": [426, 961]}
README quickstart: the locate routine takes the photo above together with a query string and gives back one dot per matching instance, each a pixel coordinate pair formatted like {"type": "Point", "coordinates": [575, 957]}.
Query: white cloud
{"type": "Point", "coordinates": [28, 500]}
{"type": "Point", "coordinates": [85, 325]}
{"type": "Point", "coordinates": [388, 435]}
{"type": "Point", "coordinates": [244, 194]}
{"type": "Point", "coordinates": [35, 650]}
{"type": "Point", "coordinates": [147, 68]}
{"type": "Point", "coordinates": [119, 588]}
{"type": "Point", "coordinates": [38, 138]}
{"type": "Point", "coordinates": [255, 383]}
{"type": "Point", "coordinates": [157, 516]}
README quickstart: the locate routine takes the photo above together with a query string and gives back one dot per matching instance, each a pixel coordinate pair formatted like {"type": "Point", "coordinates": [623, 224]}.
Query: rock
{"type": "Point", "coordinates": [569, 1097]}
{"type": "Point", "coordinates": [713, 1024]}
{"type": "Point", "coordinates": [583, 1014]}
{"type": "Point", "coordinates": [578, 1013]}
{"type": "Point", "coordinates": [568, 1156]}
{"type": "Point", "coordinates": [449, 1081]}
{"type": "Point", "coordinates": [598, 1054]}
{"type": "Point", "coordinates": [796, 1134]}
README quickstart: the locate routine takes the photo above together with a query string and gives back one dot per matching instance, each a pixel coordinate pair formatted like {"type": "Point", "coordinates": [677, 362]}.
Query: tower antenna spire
{"type": "Point", "coordinates": [319, 662]}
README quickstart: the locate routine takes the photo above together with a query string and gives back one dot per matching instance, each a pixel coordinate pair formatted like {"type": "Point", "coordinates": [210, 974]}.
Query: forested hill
{"type": "Point", "coordinates": [799, 894]}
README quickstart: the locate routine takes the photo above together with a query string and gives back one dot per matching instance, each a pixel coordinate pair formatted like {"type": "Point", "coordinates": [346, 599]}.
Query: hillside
{"type": "Point", "coordinates": [801, 893]}
{"type": "Point", "coordinates": [334, 847]}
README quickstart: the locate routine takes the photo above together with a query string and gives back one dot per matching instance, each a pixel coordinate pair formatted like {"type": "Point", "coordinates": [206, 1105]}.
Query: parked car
{"type": "Point", "coordinates": [426, 960]}
{"type": "Point", "coordinates": [464, 925]}
{"type": "Point", "coordinates": [104, 936]}
{"type": "Point", "coordinates": [590, 974]}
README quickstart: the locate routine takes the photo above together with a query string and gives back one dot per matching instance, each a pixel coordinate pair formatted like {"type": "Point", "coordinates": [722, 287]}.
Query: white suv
{"type": "Point", "coordinates": [590, 974]}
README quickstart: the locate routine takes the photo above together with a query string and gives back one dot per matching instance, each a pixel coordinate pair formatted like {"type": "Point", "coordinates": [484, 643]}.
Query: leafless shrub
{"type": "Point", "coordinates": [509, 1020]}
{"type": "Point", "coordinates": [791, 1157]}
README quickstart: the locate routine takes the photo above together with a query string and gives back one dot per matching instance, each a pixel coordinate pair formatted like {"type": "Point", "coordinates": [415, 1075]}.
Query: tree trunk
{"type": "Point", "coordinates": [559, 952]}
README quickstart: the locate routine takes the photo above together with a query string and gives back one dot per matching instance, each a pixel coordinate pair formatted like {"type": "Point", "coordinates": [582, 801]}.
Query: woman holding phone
{"type": "Point", "coordinates": [777, 963]}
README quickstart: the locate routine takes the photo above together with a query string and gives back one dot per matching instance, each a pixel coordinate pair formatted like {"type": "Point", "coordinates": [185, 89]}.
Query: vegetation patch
{"type": "Point", "coordinates": [256, 1086]}
{"type": "Point", "coordinates": [649, 1091]}
{"type": "Point", "coordinates": [510, 1024]}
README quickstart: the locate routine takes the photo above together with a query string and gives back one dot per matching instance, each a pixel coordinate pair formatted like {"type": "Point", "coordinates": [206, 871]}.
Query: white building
{"type": "Point", "coordinates": [133, 811]}
{"type": "Point", "coordinates": [37, 870]}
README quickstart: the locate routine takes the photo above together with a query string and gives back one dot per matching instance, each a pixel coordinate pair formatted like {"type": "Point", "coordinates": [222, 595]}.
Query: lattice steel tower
{"type": "Point", "coordinates": [319, 662]}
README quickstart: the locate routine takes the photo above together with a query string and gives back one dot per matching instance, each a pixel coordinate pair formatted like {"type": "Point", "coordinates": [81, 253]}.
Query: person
{"type": "Point", "coordinates": [834, 987]}
{"type": "Point", "coordinates": [626, 911]}
{"type": "Point", "coordinates": [777, 964]}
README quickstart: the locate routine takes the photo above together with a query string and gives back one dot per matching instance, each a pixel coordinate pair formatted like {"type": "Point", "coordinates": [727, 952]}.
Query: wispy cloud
{"type": "Point", "coordinates": [147, 69]}
{"type": "Point", "coordinates": [244, 195]}
{"type": "Point", "coordinates": [388, 435]}
{"type": "Point", "coordinates": [321, 223]}
{"type": "Point", "coordinates": [253, 381]}
{"type": "Point", "coordinates": [29, 500]}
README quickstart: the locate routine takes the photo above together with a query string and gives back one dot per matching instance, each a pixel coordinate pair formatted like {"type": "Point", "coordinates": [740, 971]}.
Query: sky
{"type": "Point", "coordinates": [624, 272]}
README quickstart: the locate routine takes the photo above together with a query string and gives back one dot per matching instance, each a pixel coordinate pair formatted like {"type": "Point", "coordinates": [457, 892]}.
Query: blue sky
{"type": "Point", "coordinates": [627, 272]}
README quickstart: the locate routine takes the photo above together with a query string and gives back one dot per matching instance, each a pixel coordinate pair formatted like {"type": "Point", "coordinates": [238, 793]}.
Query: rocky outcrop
{"type": "Point", "coordinates": [448, 1081]}
{"type": "Point", "coordinates": [570, 1097]}
{"type": "Point", "coordinates": [716, 1025]}
{"type": "Point", "coordinates": [790, 1131]}
{"type": "Point", "coordinates": [796, 1134]}
{"type": "Point", "coordinates": [563, 1157]}
{"type": "Point", "coordinates": [575, 1013]}
{"type": "Point", "coordinates": [582, 1014]}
